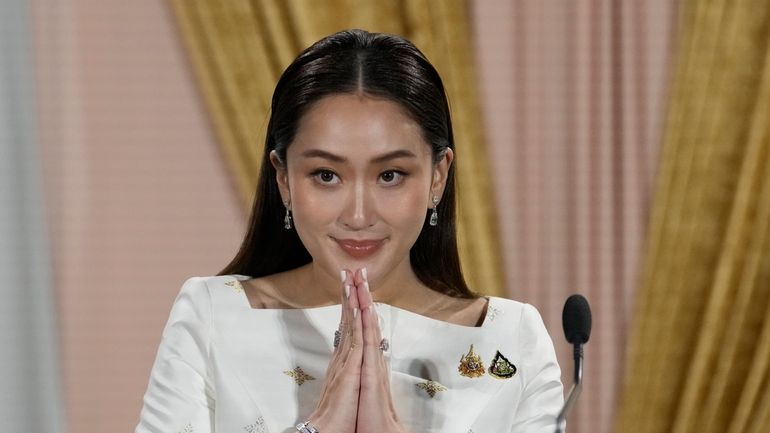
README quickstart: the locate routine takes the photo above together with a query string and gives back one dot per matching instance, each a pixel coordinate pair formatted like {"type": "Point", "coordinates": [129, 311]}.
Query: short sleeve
{"type": "Point", "coordinates": [180, 397]}
{"type": "Point", "coordinates": [542, 396]}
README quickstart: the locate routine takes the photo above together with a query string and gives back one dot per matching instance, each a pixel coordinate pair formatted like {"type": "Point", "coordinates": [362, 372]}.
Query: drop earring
{"type": "Point", "coordinates": [287, 218]}
{"type": "Point", "coordinates": [434, 215]}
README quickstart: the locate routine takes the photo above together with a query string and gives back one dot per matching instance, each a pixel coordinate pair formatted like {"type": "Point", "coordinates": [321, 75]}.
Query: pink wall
{"type": "Point", "coordinates": [138, 196]}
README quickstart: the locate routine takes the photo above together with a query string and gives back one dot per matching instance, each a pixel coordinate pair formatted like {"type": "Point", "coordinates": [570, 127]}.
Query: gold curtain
{"type": "Point", "coordinates": [239, 48]}
{"type": "Point", "coordinates": [699, 357]}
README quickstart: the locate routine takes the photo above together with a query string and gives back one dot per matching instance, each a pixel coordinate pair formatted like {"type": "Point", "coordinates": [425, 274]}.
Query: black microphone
{"type": "Point", "coordinates": [576, 320]}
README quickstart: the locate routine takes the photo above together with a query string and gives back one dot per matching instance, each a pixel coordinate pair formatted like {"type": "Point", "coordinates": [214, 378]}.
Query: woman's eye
{"type": "Point", "coordinates": [392, 177]}
{"type": "Point", "coordinates": [326, 176]}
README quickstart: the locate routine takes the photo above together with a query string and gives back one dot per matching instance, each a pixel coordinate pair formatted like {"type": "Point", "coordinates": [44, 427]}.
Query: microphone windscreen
{"type": "Point", "coordinates": [576, 319]}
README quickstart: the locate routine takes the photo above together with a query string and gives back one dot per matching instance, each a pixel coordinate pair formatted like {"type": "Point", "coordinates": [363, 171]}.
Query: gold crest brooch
{"type": "Point", "coordinates": [471, 364]}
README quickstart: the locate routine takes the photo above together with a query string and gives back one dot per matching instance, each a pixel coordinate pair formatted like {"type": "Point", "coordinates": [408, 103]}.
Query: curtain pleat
{"type": "Point", "coordinates": [239, 48]}
{"type": "Point", "coordinates": [226, 50]}
{"type": "Point", "coordinates": [698, 360]}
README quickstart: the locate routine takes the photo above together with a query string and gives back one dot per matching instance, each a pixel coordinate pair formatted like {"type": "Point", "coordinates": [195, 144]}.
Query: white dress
{"type": "Point", "coordinates": [223, 366]}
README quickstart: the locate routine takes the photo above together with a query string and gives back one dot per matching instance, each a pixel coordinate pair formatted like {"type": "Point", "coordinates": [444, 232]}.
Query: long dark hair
{"type": "Point", "coordinates": [355, 61]}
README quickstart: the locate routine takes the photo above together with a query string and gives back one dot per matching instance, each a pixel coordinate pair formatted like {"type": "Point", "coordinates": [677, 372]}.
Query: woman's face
{"type": "Point", "coordinates": [359, 178]}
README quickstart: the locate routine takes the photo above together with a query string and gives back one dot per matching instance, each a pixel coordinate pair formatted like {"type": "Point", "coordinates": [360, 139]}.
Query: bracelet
{"type": "Point", "coordinates": [306, 427]}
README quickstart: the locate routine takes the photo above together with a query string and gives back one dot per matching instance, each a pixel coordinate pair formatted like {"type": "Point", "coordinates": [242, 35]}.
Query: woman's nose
{"type": "Point", "coordinates": [358, 210]}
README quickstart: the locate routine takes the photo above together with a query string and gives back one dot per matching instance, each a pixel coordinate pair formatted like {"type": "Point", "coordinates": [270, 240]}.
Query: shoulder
{"type": "Point", "coordinates": [206, 290]}
{"type": "Point", "coordinates": [507, 309]}
{"type": "Point", "coordinates": [203, 286]}
{"type": "Point", "coordinates": [523, 318]}
{"type": "Point", "coordinates": [523, 324]}
{"type": "Point", "coordinates": [531, 333]}
{"type": "Point", "coordinates": [206, 300]}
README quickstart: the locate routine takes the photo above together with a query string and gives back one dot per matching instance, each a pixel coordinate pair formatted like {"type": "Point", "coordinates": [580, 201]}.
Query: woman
{"type": "Point", "coordinates": [345, 309]}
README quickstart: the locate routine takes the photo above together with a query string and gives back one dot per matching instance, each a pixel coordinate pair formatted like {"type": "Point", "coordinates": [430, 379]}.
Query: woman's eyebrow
{"type": "Point", "coordinates": [318, 153]}
{"type": "Point", "coordinates": [401, 153]}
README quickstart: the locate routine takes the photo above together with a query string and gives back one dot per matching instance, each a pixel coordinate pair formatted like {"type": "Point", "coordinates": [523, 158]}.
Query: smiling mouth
{"type": "Point", "coordinates": [359, 249]}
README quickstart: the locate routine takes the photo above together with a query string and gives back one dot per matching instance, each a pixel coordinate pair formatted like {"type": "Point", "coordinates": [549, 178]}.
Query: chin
{"type": "Point", "coordinates": [353, 265]}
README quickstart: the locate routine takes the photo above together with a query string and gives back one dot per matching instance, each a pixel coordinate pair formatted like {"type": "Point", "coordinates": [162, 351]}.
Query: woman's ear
{"type": "Point", "coordinates": [281, 176]}
{"type": "Point", "coordinates": [440, 174]}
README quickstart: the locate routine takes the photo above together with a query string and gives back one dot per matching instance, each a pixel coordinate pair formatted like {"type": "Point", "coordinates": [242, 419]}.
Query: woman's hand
{"type": "Point", "coordinates": [337, 409]}
{"type": "Point", "coordinates": [376, 412]}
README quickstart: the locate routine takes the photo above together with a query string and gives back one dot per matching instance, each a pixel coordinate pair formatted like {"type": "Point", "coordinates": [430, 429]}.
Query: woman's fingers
{"type": "Point", "coordinates": [341, 388]}
{"type": "Point", "coordinates": [361, 281]}
{"type": "Point", "coordinates": [346, 280]}
{"type": "Point", "coordinates": [374, 363]}
{"type": "Point", "coordinates": [370, 319]}
{"type": "Point", "coordinates": [353, 310]}
{"type": "Point", "coordinates": [342, 334]}
{"type": "Point", "coordinates": [376, 411]}
{"type": "Point", "coordinates": [349, 317]}
{"type": "Point", "coordinates": [354, 333]}
{"type": "Point", "coordinates": [346, 310]}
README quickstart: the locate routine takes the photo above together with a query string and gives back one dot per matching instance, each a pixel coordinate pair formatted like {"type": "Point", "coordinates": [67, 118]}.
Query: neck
{"type": "Point", "coordinates": [400, 287]}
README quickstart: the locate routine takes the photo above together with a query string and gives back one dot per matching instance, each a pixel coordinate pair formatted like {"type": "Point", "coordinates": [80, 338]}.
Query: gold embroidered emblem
{"type": "Point", "coordinates": [431, 387]}
{"type": "Point", "coordinates": [298, 375]}
{"type": "Point", "coordinates": [501, 368]}
{"type": "Point", "coordinates": [471, 364]}
{"type": "Point", "coordinates": [236, 285]}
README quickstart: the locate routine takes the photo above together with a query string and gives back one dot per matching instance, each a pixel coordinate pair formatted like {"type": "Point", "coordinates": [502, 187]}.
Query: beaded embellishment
{"type": "Point", "coordinates": [257, 427]}
{"type": "Point", "coordinates": [298, 375]}
{"type": "Point", "coordinates": [236, 285]}
{"type": "Point", "coordinates": [187, 429]}
{"type": "Point", "coordinates": [492, 313]}
{"type": "Point", "coordinates": [431, 387]}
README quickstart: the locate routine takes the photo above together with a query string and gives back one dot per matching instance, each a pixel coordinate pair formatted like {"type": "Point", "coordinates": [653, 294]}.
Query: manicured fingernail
{"type": "Point", "coordinates": [343, 275]}
{"type": "Point", "coordinates": [355, 313]}
{"type": "Point", "coordinates": [363, 273]}
{"type": "Point", "coordinates": [347, 291]}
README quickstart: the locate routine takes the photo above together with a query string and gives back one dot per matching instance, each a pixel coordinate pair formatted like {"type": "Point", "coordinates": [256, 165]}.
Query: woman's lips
{"type": "Point", "coordinates": [359, 249]}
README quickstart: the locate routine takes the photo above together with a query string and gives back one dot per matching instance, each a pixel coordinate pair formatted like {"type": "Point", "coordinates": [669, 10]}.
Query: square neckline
{"type": "Point", "coordinates": [488, 308]}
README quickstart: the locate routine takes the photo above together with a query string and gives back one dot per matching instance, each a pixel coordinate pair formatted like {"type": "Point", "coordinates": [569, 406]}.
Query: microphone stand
{"type": "Point", "coordinates": [574, 392]}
